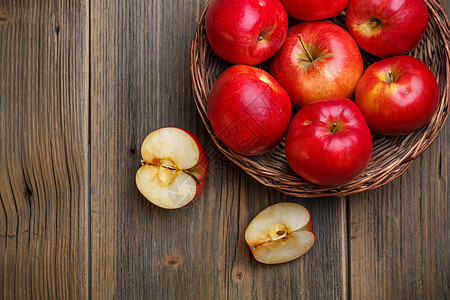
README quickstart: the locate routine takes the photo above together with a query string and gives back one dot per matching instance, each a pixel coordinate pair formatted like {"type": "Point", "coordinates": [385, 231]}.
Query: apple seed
{"type": "Point", "coordinates": [277, 232]}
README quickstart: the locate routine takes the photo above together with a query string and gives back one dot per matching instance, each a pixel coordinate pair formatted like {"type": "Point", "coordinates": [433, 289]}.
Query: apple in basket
{"type": "Point", "coordinates": [328, 142]}
{"type": "Point", "coordinates": [314, 10]}
{"type": "Point", "coordinates": [175, 167]}
{"type": "Point", "coordinates": [248, 110]}
{"type": "Point", "coordinates": [318, 60]}
{"type": "Point", "coordinates": [280, 233]}
{"type": "Point", "coordinates": [387, 27]}
{"type": "Point", "coordinates": [246, 31]}
{"type": "Point", "coordinates": [397, 95]}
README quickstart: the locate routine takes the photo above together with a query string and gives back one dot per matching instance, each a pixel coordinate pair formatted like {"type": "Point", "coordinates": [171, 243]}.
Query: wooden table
{"type": "Point", "coordinates": [81, 84]}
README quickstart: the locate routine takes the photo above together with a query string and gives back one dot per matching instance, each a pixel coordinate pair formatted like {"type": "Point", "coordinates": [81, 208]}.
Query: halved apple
{"type": "Point", "coordinates": [175, 167]}
{"type": "Point", "coordinates": [280, 233]}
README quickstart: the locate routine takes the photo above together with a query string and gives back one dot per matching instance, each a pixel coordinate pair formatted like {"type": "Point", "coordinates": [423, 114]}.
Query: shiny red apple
{"type": "Point", "coordinates": [387, 27]}
{"type": "Point", "coordinates": [318, 60]}
{"type": "Point", "coordinates": [314, 10]}
{"type": "Point", "coordinates": [328, 142]}
{"type": "Point", "coordinates": [175, 167]}
{"type": "Point", "coordinates": [246, 31]}
{"type": "Point", "coordinates": [248, 110]}
{"type": "Point", "coordinates": [397, 95]}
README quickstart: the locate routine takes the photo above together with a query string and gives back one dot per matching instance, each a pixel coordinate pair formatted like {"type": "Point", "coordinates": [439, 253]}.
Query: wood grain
{"type": "Point", "coordinates": [43, 149]}
{"type": "Point", "coordinates": [106, 73]}
{"type": "Point", "coordinates": [399, 233]}
{"type": "Point", "coordinates": [140, 82]}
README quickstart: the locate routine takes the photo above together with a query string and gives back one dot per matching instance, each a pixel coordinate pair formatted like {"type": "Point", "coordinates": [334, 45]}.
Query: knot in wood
{"type": "Point", "coordinates": [238, 275]}
{"type": "Point", "coordinates": [173, 261]}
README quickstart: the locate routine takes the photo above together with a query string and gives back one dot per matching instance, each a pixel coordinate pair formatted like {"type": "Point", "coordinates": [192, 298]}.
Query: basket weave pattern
{"type": "Point", "coordinates": [391, 155]}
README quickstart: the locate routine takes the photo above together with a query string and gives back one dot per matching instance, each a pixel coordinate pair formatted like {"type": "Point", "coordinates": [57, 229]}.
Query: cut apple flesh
{"type": "Point", "coordinates": [170, 146]}
{"type": "Point", "coordinates": [164, 188]}
{"type": "Point", "coordinates": [292, 246]}
{"type": "Point", "coordinates": [166, 179]}
{"type": "Point", "coordinates": [280, 233]}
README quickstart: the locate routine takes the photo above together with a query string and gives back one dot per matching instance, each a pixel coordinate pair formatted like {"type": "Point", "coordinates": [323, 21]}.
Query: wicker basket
{"type": "Point", "coordinates": [391, 155]}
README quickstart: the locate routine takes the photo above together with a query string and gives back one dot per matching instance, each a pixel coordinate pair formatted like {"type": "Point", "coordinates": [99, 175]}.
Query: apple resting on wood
{"type": "Point", "coordinates": [175, 167]}
{"type": "Point", "coordinates": [248, 110]}
{"type": "Point", "coordinates": [246, 31]}
{"type": "Point", "coordinates": [397, 95]}
{"type": "Point", "coordinates": [387, 27]}
{"type": "Point", "coordinates": [314, 10]}
{"type": "Point", "coordinates": [318, 60]}
{"type": "Point", "coordinates": [328, 142]}
{"type": "Point", "coordinates": [280, 233]}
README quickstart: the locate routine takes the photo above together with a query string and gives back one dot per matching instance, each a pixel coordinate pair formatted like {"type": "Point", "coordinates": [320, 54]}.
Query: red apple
{"type": "Point", "coordinates": [314, 10]}
{"type": "Point", "coordinates": [175, 167]}
{"type": "Point", "coordinates": [328, 142]}
{"type": "Point", "coordinates": [318, 60]}
{"type": "Point", "coordinates": [397, 95]}
{"type": "Point", "coordinates": [280, 233]}
{"type": "Point", "coordinates": [248, 110]}
{"type": "Point", "coordinates": [246, 31]}
{"type": "Point", "coordinates": [387, 27]}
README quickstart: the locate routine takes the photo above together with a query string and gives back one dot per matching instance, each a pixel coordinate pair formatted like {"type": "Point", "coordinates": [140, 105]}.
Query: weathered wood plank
{"type": "Point", "coordinates": [43, 149]}
{"type": "Point", "coordinates": [140, 81]}
{"type": "Point", "coordinates": [399, 234]}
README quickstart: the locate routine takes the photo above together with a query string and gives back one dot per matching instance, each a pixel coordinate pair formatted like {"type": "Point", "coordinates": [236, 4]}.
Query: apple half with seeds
{"type": "Point", "coordinates": [280, 233]}
{"type": "Point", "coordinates": [174, 167]}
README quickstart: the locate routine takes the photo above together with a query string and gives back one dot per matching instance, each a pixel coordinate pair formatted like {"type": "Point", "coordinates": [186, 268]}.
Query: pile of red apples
{"type": "Point", "coordinates": [317, 94]}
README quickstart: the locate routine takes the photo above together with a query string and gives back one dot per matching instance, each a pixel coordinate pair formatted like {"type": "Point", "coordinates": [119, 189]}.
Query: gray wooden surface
{"type": "Point", "coordinates": [44, 117]}
{"type": "Point", "coordinates": [81, 84]}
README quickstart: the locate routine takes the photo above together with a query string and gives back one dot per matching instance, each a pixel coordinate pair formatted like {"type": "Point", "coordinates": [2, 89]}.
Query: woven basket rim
{"type": "Point", "coordinates": [268, 169]}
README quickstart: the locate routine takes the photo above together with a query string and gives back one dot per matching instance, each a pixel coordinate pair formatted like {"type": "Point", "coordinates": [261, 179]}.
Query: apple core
{"type": "Point", "coordinates": [167, 174]}
{"type": "Point", "coordinates": [277, 232]}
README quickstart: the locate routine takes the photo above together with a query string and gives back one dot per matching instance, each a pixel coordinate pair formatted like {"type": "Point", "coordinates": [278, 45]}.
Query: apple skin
{"type": "Point", "coordinates": [401, 106]}
{"type": "Point", "coordinates": [387, 27]}
{"type": "Point", "coordinates": [200, 170]}
{"type": "Point", "coordinates": [334, 72]}
{"type": "Point", "coordinates": [248, 110]}
{"type": "Point", "coordinates": [149, 152]}
{"type": "Point", "coordinates": [246, 31]}
{"type": "Point", "coordinates": [322, 156]}
{"type": "Point", "coordinates": [314, 10]}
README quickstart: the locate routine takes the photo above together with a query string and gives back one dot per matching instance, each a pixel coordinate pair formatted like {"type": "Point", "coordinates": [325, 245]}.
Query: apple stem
{"type": "Point", "coordinates": [300, 37]}
{"type": "Point", "coordinates": [193, 176]}
{"type": "Point", "coordinates": [391, 78]}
